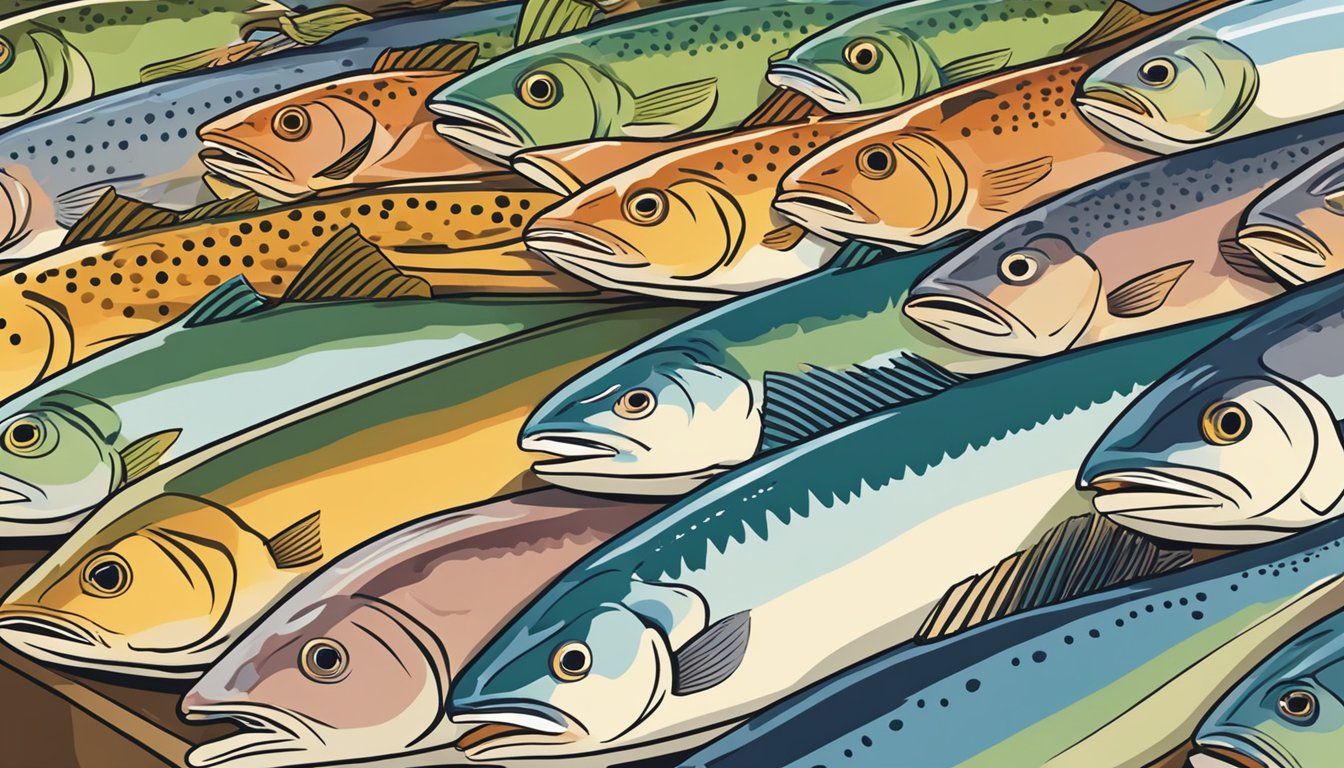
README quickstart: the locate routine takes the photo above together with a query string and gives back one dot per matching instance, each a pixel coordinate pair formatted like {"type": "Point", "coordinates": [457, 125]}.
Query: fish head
{"type": "Point", "coordinates": [523, 102]}
{"type": "Point", "coordinates": [37, 328]}
{"type": "Point", "coordinates": [152, 589]}
{"type": "Point", "coordinates": [17, 208]}
{"type": "Point", "coordinates": [1287, 713]}
{"type": "Point", "coordinates": [1222, 455]}
{"type": "Point", "coordinates": [639, 423]}
{"type": "Point", "coordinates": [1292, 227]}
{"type": "Point", "coordinates": [879, 184]}
{"type": "Point", "coordinates": [58, 459]}
{"type": "Point", "coordinates": [39, 69]}
{"type": "Point", "coordinates": [340, 678]}
{"type": "Point", "coordinates": [1172, 94]}
{"type": "Point", "coordinates": [862, 64]}
{"type": "Point", "coordinates": [1023, 294]}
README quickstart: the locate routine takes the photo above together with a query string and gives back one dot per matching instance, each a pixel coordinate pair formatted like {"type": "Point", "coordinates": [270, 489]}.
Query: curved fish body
{"type": "Point", "coordinates": [228, 364]}
{"type": "Point", "coordinates": [1039, 684]}
{"type": "Point", "coordinates": [665, 610]}
{"type": "Point", "coordinates": [161, 578]}
{"type": "Point", "coordinates": [48, 187]}
{"type": "Point", "coordinates": [962, 159]}
{"type": "Point", "coordinates": [404, 612]}
{"type": "Point", "coordinates": [1144, 249]}
{"type": "Point", "coordinates": [697, 66]}
{"type": "Point", "coordinates": [1242, 444]}
{"type": "Point", "coordinates": [1296, 229]}
{"type": "Point", "coordinates": [1235, 71]}
{"type": "Point", "coordinates": [87, 298]}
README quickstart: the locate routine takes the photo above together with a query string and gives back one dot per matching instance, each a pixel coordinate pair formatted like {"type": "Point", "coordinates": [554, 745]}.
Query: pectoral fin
{"type": "Point", "coordinates": [783, 238]}
{"type": "Point", "coordinates": [782, 107]}
{"type": "Point", "coordinates": [349, 267]}
{"type": "Point", "coordinates": [857, 253]}
{"type": "Point", "coordinates": [349, 162]}
{"type": "Point", "coordinates": [998, 185]}
{"type": "Point", "coordinates": [114, 215]}
{"type": "Point", "coordinates": [1145, 293]}
{"type": "Point", "coordinates": [674, 109]}
{"type": "Point", "coordinates": [971, 67]}
{"type": "Point", "coordinates": [712, 656]}
{"type": "Point", "coordinates": [142, 456]}
{"type": "Point", "coordinates": [298, 545]}
{"type": "Point", "coordinates": [1243, 261]}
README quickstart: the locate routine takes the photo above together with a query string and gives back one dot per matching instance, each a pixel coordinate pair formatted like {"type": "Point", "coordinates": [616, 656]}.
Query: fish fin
{"type": "Point", "coordinates": [1120, 20]}
{"type": "Point", "coordinates": [997, 185]}
{"type": "Point", "coordinates": [782, 107]}
{"type": "Point", "coordinates": [313, 27]}
{"type": "Point", "coordinates": [673, 109]}
{"type": "Point", "coordinates": [1145, 293]}
{"type": "Point", "coordinates": [349, 162]}
{"type": "Point", "coordinates": [712, 656]}
{"type": "Point", "coordinates": [1080, 556]}
{"type": "Point", "coordinates": [784, 238]}
{"type": "Point", "coordinates": [114, 215]}
{"type": "Point", "coordinates": [178, 65]}
{"type": "Point", "coordinates": [223, 188]}
{"type": "Point", "coordinates": [235, 297]}
{"type": "Point", "coordinates": [798, 406]}
{"type": "Point", "coordinates": [244, 203]}
{"type": "Point", "coordinates": [452, 56]}
{"type": "Point", "coordinates": [971, 67]}
{"type": "Point", "coordinates": [142, 456]}
{"type": "Point", "coordinates": [857, 253]}
{"type": "Point", "coordinates": [72, 204]}
{"type": "Point", "coordinates": [298, 545]}
{"type": "Point", "coordinates": [540, 19]}
{"type": "Point", "coordinates": [349, 267]}
{"type": "Point", "coordinates": [1243, 261]}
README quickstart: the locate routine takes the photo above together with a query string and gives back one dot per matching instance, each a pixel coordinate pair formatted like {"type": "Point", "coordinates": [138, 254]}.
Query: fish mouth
{"type": "Point", "coordinates": [561, 240]}
{"type": "Point", "coordinates": [1240, 750]}
{"type": "Point", "coordinates": [43, 634]}
{"type": "Point", "coordinates": [570, 446]}
{"type": "Point", "coordinates": [1114, 101]}
{"type": "Point", "coordinates": [822, 207]}
{"type": "Point", "coordinates": [815, 86]}
{"type": "Point", "coordinates": [1172, 503]}
{"type": "Point", "coordinates": [960, 315]}
{"type": "Point", "coordinates": [268, 734]}
{"type": "Point", "coordinates": [507, 733]}
{"type": "Point", "coordinates": [1292, 255]}
{"type": "Point", "coordinates": [477, 131]}
{"type": "Point", "coordinates": [234, 161]}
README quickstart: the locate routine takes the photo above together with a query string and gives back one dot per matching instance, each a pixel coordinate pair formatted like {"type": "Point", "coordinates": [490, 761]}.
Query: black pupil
{"type": "Point", "coordinates": [107, 576]}
{"type": "Point", "coordinates": [878, 161]}
{"type": "Point", "coordinates": [25, 434]}
{"type": "Point", "coordinates": [1156, 72]}
{"type": "Point", "coordinates": [1230, 422]}
{"type": "Point", "coordinates": [864, 56]}
{"type": "Point", "coordinates": [540, 89]}
{"type": "Point", "coordinates": [646, 205]}
{"type": "Point", "coordinates": [1298, 704]}
{"type": "Point", "coordinates": [638, 401]}
{"type": "Point", "coordinates": [572, 661]}
{"type": "Point", "coordinates": [1018, 267]}
{"type": "Point", "coordinates": [293, 122]}
{"type": "Point", "coordinates": [326, 658]}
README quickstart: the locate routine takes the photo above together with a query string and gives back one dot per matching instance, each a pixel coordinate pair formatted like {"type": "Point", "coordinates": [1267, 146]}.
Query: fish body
{"type": "Point", "coordinates": [404, 613]}
{"type": "Point", "coordinates": [1232, 72]}
{"type": "Point", "coordinates": [1294, 230]}
{"type": "Point", "coordinates": [1241, 444]}
{"type": "Point", "coordinates": [54, 167]}
{"type": "Point", "coordinates": [200, 549]}
{"type": "Point", "coordinates": [1143, 249]}
{"type": "Point", "coordinates": [962, 159]}
{"type": "Point", "coordinates": [672, 638]}
{"type": "Point", "coordinates": [696, 66]}
{"type": "Point", "coordinates": [118, 415]}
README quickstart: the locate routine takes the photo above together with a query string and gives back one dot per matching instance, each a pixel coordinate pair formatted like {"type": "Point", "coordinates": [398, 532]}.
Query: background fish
{"type": "Point", "coordinates": [1296, 228]}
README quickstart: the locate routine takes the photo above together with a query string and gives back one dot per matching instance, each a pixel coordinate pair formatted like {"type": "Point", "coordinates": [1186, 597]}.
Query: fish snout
{"type": "Point", "coordinates": [1114, 100]}
{"type": "Point", "coordinates": [951, 310]}
{"type": "Point", "coordinates": [231, 158]}
{"type": "Point", "coordinates": [1289, 251]}
{"type": "Point", "coordinates": [494, 729]}
{"type": "Point", "coordinates": [477, 131]}
{"type": "Point", "coordinates": [38, 632]}
{"type": "Point", "coordinates": [568, 241]}
{"type": "Point", "coordinates": [268, 737]}
{"type": "Point", "coordinates": [823, 208]}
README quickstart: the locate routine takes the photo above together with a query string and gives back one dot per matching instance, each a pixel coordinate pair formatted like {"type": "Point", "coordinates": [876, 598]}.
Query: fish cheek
{"type": "Point", "coordinates": [710, 226]}
{"type": "Point", "coordinates": [1056, 308]}
{"type": "Point", "coordinates": [630, 678]}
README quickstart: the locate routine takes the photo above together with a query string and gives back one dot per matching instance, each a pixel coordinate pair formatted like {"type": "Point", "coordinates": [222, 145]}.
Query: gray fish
{"type": "Point", "coordinates": [1296, 229]}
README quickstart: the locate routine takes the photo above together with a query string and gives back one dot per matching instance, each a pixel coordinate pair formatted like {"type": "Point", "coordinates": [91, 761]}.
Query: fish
{"type": "Point", "coordinates": [398, 623]}
{"type": "Point", "coordinates": [1041, 685]}
{"type": "Point", "coordinates": [693, 223]}
{"type": "Point", "coordinates": [364, 129]}
{"type": "Point", "coordinates": [54, 167]}
{"type": "Point", "coordinates": [1292, 230]}
{"type": "Point", "coordinates": [85, 433]}
{"type": "Point", "coordinates": [162, 578]}
{"type": "Point", "coordinates": [664, 607]}
{"type": "Point", "coordinates": [1240, 445]}
{"type": "Point", "coordinates": [1235, 71]}
{"type": "Point", "coordinates": [130, 268]}
{"type": "Point", "coordinates": [963, 159]}
{"type": "Point", "coordinates": [1143, 249]}
{"type": "Point", "coordinates": [689, 67]}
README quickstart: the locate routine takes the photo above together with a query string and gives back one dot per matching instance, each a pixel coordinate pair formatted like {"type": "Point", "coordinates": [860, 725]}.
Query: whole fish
{"type": "Point", "coordinates": [462, 237]}
{"type": "Point", "coordinates": [1241, 444]}
{"type": "Point", "coordinates": [962, 159]}
{"type": "Point", "coordinates": [399, 617]}
{"type": "Point", "coordinates": [693, 223]}
{"type": "Point", "coordinates": [1235, 71]}
{"type": "Point", "coordinates": [54, 167]}
{"type": "Point", "coordinates": [1296, 228]}
{"type": "Point", "coordinates": [1144, 249]}
{"type": "Point", "coordinates": [83, 434]}
{"type": "Point", "coordinates": [357, 130]}
{"type": "Point", "coordinates": [694, 66]}
{"type": "Point", "coordinates": [161, 578]}
{"type": "Point", "coordinates": [665, 609]}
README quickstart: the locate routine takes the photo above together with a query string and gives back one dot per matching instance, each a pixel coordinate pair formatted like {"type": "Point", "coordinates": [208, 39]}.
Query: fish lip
{"type": "Point", "coordinates": [501, 727]}
{"type": "Point", "coordinates": [1281, 248]}
{"type": "Point", "coordinates": [263, 732]}
{"type": "Point", "coordinates": [810, 84]}
{"type": "Point", "coordinates": [570, 446]}
{"type": "Point", "coordinates": [1243, 750]}
{"type": "Point", "coordinates": [795, 204]}
{"type": "Point", "coordinates": [224, 155]}
{"type": "Point", "coordinates": [1115, 493]}
{"type": "Point", "coordinates": [561, 239]}
{"type": "Point", "coordinates": [476, 131]}
{"type": "Point", "coordinates": [1114, 101]}
{"type": "Point", "coordinates": [35, 621]}
{"type": "Point", "coordinates": [941, 310]}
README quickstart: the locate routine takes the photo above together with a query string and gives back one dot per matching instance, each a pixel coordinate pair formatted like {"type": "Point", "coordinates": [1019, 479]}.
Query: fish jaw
{"type": "Point", "coordinates": [1125, 117]}
{"type": "Point", "coordinates": [268, 739]}
{"type": "Point", "coordinates": [966, 319]}
{"type": "Point", "coordinates": [600, 462]}
{"type": "Point", "coordinates": [1240, 749]}
{"type": "Point", "coordinates": [1291, 254]}
{"type": "Point", "coordinates": [504, 733]}
{"type": "Point", "coordinates": [50, 636]}
{"type": "Point", "coordinates": [248, 166]}
{"type": "Point", "coordinates": [478, 131]}
{"type": "Point", "coordinates": [835, 96]}
{"type": "Point", "coordinates": [1171, 501]}
{"type": "Point", "coordinates": [825, 210]}
{"type": "Point", "coordinates": [572, 242]}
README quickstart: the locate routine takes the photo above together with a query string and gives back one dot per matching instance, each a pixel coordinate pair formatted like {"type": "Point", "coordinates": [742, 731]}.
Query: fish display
{"type": "Point", "coordinates": [1141, 250]}
{"type": "Point", "coordinates": [395, 614]}
{"type": "Point", "coordinates": [1292, 229]}
{"type": "Point", "coordinates": [162, 577]}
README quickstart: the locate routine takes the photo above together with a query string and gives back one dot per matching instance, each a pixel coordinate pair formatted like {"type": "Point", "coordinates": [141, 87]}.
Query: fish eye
{"type": "Point", "coordinates": [539, 90]}
{"type": "Point", "coordinates": [26, 437]}
{"type": "Point", "coordinates": [571, 662]}
{"type": "Point", "coordinates": [324, 660]}
{"type": "Point", "coordinates": [876, 161]}
{"type": "Point", "coordinates": [1157, 72]}
{"type": "Point", "coordinates": [106, 575]}
{"type": "Point", "coordinates": [861, 55]}
{"type": "Point", "coordinates": [1225, 423]}
{"type": "Point", "coordinates": [1298, 706]}
{"type": "Point", "coordinates": [647, 207]}
{"type": "Point", "coordinates": [291, 123]}
{"type": "Point", "coordinates": [635, 404]}
{"type": "Point", "coordinates": [1018, 267]}
{"type": "Point", "coordinates": [6, 54]}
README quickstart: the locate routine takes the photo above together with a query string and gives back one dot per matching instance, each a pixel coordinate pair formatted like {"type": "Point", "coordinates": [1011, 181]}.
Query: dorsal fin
{"type": "Point", "coordinates": [317, 25]}
{"type": "Point", "coordinates": [857, 253]}
{"type": "Point", "coordinates": [452, 56]}
{"type": "Point", "coordinates": [115, 215]}
{"type": "Point", "coordinates": [540, 19]}
{"type": "Point", "coordinates": [1080, 556]}
{"type": "Point", "coordinates": [350, 267]}
{"type": "Point", "coordinates": [244, 203]}
{"type": "Point", "coordinates": [234, 298]}
{"type": "Point", "coordinates": [782, 107]}
{"type": "Point", "coordinates": [298, 545]}
{"type": "Point", "coordinates": [1119, 20]}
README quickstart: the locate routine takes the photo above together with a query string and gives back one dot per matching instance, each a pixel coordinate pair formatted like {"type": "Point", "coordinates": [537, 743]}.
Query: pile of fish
{"type": "Point", "coordinates": [687, 382]}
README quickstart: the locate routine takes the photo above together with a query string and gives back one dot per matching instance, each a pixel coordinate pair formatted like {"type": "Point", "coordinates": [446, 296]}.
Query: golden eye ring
{"type": "Point", "coordinates": [571, 662]}
{"type": "Point", "coordinates": [24, 436]}
{"type": "Point", "coordinates": [1157, 73]}
{"type": "Point", "coordinates": [1298, 705]}
{"type": "Point", "coordinates": [291, 123]}
{"type": "Point", "coordinates": [324, 660]}
{"type": "Point", "coordinates": [876, 161]}
{"type": "Point", "coordinates": [646, 207]}
{"type": "Point", "coordinates": [539, 90]}
{"type": "Point", "coordinates": [635, 404]}
{"type": "Point", "coordinates": [6, 54]}
{"type": "Point", "coordinates": [106, 575]}
{"type": "Point", "coordinates": [1225, 423]}
{"type": "Point", "coordinates": [861, 55]}
{"type": "Point", "coordinates": [1018, 267]}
